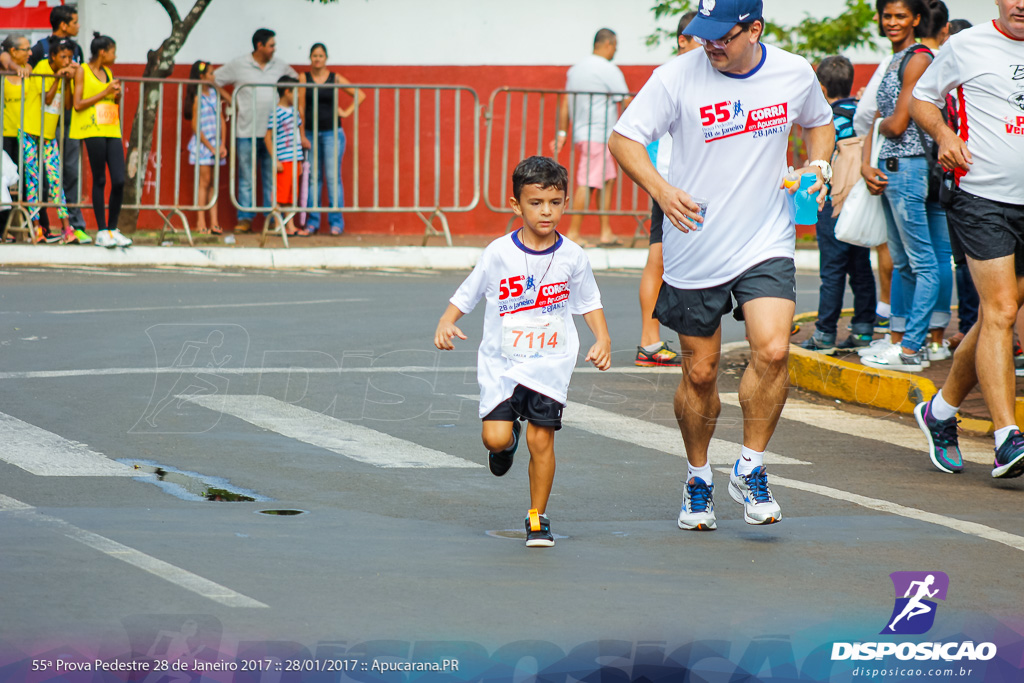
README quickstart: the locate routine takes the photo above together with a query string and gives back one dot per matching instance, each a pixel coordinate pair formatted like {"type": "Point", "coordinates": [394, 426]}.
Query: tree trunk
{"type": "Point", "coordinates": [159, 64]}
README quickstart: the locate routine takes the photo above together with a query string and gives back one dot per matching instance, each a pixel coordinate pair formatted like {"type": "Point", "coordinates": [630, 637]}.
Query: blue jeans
{"type": "Point", "coordinates": [243, 150]}
{"type": "Point", "coordinates": [921, 255]}
{"type": "Point", "coordinates": [837, 261]}
{"type": "Point", "coordinates": [329, 151]}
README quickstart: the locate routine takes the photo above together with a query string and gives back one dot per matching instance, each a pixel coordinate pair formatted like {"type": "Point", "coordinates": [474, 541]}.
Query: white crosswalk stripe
{"type": "Point", "coordinates": [46, 454]}
{"type": "Point", "coordinates": [344, 438]}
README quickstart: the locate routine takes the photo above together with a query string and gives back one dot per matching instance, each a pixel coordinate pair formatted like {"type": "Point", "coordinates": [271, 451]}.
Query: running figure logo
{"type": "Point", "coordinates": [914, 612]}
{"type": "Point", "coordinates": [737, 109]}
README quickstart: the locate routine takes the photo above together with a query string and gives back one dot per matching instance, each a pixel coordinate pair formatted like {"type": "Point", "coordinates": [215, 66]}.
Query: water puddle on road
{"type": "Point", "coordinates": [191, 485]}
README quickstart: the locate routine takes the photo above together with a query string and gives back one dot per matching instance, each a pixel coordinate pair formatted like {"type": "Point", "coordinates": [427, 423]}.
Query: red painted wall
{"type": "Point", "coordinates": [483, 79]}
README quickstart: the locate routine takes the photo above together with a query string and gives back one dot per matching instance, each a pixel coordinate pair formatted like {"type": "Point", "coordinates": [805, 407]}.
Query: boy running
{"type": "Point", "coordinates": [534, 280]}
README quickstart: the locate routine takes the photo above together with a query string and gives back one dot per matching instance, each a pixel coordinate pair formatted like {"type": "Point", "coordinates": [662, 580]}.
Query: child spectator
{"type": "Point", "coordinates": [44, 102]}
{"type": "Point", "coordinates": [840, 259]}
{"type": "Point", "coordinates": [285, 125]}
{"type": "Point", "coordinates": [207, 143]}
{"type": "Point", "coordinates": [534, 280]}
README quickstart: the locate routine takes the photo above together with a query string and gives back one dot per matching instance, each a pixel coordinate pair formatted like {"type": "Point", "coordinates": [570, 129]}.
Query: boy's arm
{"type": "Point", "coordinates": [446, 328]}
{"type": "Point", "coordinates": [600, 354]}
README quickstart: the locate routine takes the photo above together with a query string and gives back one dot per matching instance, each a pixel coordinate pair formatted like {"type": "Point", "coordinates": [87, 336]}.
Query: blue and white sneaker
{"type": "Point", "coordinates": [752, 492]}
{"type": "Point", "coordinates": [943, 442]}
{"type": "Point", "coordinates": [1010, 457]}
{"type": "Point", "coordinates": [698, 511]}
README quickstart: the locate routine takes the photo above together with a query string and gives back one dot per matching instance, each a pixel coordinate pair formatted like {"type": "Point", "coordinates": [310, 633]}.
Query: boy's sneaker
{"type": "Point", "coordinates": [538, 530]}
{"type": "Point", "coordinates": [82, 236]}
{"type": "Point", "coordinates": [501, 462]}
{"type": "Point", "coordinates": [121, 240]}
{"type": "Point", "coordinates": [820, 343]}
{"type": "Point", "coordinates": [1010, 457]}
{"type": "Point", "coordinates": [752, 492]}
{"type": "Point", "coordinates": [105, 238]}
{"type": "Point", "coordinates": [893, 358]}
{"type": "Point", "coordinates": [881, 324]}
{"type": "Point", "coordinates": [698, 510]}
{"type": "Point", "coordinates": [943, 442]}
{"type": "Point", "coordinates": [937, 351]}
{"type": "Point", "coordinates": [663, 357]}
{"type": "Point", "coordinates": [854, 342]}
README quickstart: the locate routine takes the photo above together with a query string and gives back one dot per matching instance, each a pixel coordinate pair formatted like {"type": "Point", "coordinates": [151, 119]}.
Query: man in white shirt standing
{"type": "Point", "coordinates": [985, 65]}
{"type": "Point", "coordinates": [729, 109]}
{"type": "Point", "coordinates": [593, 115]}
{"type": "Point", "coordinates": [251, 115]}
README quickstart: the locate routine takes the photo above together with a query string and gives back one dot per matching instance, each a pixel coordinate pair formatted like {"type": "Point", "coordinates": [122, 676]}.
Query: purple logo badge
{"type": "Point", "coordinates": [916, 592]}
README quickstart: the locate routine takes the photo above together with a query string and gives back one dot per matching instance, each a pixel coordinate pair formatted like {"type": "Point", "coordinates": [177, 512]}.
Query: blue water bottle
{"type": "Point", "coordinates": [802, 204]}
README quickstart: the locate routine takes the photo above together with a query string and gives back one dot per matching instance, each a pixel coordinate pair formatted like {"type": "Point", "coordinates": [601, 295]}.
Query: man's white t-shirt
{"type": "Point", "coordinates": [729, 140]}
{"type": "Point", "coordinates": [987, 69]}
{"type": "Point", "coordinates": [518, 281]}
{"type": "Point", "coordinates": [594, 115]}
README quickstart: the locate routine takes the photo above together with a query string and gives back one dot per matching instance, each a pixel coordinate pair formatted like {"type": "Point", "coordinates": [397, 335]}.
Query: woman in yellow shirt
{"type": "Point", "coordinates": [96, 121]}
{"type": "Point", "coordinates": [19, 48]}
{"type": "Point", "coordinates": [44, 101]}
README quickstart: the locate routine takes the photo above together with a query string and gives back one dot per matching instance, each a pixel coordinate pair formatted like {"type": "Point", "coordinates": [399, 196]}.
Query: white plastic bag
{"type": "Point", "coordinates": [9, 174]}
{"type": "Point", "coordinates": [862, 220]}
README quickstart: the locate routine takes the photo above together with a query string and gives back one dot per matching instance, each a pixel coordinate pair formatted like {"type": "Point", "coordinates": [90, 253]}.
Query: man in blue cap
{"type": "Point", "coordinates": [729, 109]}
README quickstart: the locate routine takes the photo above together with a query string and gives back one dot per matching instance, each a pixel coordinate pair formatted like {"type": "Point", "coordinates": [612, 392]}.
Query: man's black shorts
{"type": "Point", "coordinates": [532, 406]}
{"type": "Point", "coordinates": [657, 223]}
{"type": "Point", "coordinates": [698, 312]}
{"type": "Point", "coordinates": [986, 229]}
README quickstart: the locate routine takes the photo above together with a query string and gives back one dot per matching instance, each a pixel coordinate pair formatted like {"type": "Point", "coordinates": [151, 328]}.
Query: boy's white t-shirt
{"type": "Point", "coordinates": [515, 279]}
{"type": "Point", "coordinates": [988, 67]}
{"type": "Point", "coordinates": [729, 140]}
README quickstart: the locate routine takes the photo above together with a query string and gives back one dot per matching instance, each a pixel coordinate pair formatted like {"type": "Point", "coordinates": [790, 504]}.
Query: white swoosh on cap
{"type": "Point", "coordinates": [744, 16]}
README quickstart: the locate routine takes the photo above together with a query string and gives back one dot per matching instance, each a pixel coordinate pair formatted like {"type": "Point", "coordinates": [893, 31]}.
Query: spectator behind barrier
{"type": "Point", "coordinates": [837, 259]}
{"type": "Point", "coordinates": [329, 148]}
{"type": "Point", "coordinates": [206, 146]}
{"type": "Point", "coordinates": [254, 106]}
{"type": "Point", "coordinates": [97, 121]}
{"type": "Point", "coordinates": [16, 49]}
{"type": "Point", "coordinates": [286, 138]}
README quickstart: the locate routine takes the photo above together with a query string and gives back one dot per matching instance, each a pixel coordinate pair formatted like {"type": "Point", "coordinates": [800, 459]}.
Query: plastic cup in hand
{"type": "Point", "coordinates": [702, 204]}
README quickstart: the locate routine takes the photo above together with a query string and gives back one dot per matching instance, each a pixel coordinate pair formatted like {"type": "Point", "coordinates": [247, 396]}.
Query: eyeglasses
{"type": "Point", "coordinates": [20, 49]}
{"type": "Point", "coordinates": [719, 44]}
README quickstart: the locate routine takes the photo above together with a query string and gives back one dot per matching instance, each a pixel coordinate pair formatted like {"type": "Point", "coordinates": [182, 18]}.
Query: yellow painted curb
{"type": "Point", "coordinates": [855, 383]}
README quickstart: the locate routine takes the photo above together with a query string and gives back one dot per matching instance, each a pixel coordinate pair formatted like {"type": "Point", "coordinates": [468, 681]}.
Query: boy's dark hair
{"type": "Point", "coordinates": [918, 7]}
{"type": "Point", "coordinates": [539, 171]}
{"type": "Point", "coordinates": [684, 21]}
{"type": "Point", "coordinates": [836, 74]}
{"type": "Point", "coordinates": [261, 37]}
{"type": "Point", "coordinates": [58, 45]}
{"type": "Point", "coordinates": [957, 25]}
{"type": "Point", "coordinates": [62, 14]}
{"type": "Point", "coordinates": [282, 85]}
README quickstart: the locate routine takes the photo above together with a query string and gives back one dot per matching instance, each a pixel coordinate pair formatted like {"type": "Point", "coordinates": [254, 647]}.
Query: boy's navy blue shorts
{"type": "Point", "coordinates": [532, 406]}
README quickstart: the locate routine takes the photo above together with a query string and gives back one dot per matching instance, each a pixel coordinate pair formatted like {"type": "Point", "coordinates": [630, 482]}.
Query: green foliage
{"type": "Point", "coordinates": [813, 38]}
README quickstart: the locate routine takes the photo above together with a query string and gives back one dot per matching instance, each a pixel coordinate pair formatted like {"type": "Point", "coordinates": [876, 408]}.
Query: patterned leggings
{"type": "Point", "coordinates": [51, 163]}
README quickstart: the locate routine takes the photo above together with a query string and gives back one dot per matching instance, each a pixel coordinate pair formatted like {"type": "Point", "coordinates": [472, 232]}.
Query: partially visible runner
{"type": "Point", "coordinates": [729, 110]}
{"type": "Point", "coordinates": [97, 122]}
{"type": "Point", "coordinates": [987, 215]}
{"type": "Point", "coordinates": [653, 351]}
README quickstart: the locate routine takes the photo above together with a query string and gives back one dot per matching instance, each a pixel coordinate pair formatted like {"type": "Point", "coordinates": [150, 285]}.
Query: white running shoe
{"type": "Point", "coordinates": [121, 240]}
{"type": "Point", "coordinates": [939, 351]}
{"type": "Point", "coordinates": [698, 511]}
{"type": "Point", "coordinates": [894, 359]}
{"type": "Point", "coordinates": [876, 346]}
{"type": "Point", "coordinates": [752, 492]}
{"type": "Point", "coordinates": [105, 238]}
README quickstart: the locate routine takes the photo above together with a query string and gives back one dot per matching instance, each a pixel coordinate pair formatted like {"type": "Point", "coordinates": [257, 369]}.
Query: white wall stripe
{"type": "Point", "coordinates": [164, 570]}
{"type": "Point", "coordinates": [866, 427]}
{"type": "Point", "coordinates": [46, 454]}
{"type": "Point", "coordinates": [344, 438]}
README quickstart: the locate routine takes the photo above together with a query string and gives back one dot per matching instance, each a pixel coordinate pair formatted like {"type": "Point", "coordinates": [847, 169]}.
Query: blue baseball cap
{"type": "Point", "coordinates": [715, 18]}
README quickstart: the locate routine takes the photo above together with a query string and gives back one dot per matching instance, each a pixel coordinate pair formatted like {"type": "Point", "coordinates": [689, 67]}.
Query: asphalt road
{"type": "Point", "coordinates": [321, 392]}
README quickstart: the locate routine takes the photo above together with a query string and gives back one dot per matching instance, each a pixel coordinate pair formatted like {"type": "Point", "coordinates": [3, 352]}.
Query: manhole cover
{"type": "Point", "coordinates": [282, 513]}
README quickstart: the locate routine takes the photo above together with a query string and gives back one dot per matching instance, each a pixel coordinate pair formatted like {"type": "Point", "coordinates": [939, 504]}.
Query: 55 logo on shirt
{"type": "Point", "coordinates": [511, 287]}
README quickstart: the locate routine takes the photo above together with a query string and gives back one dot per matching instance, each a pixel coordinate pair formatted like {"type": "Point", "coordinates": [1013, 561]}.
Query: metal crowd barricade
{"type": "Point", "coordinates": [524, 122]}
{"type": "Point", "coordinates": [136, 94]}
{"type": "Point", "coordinates": [434, 125]}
